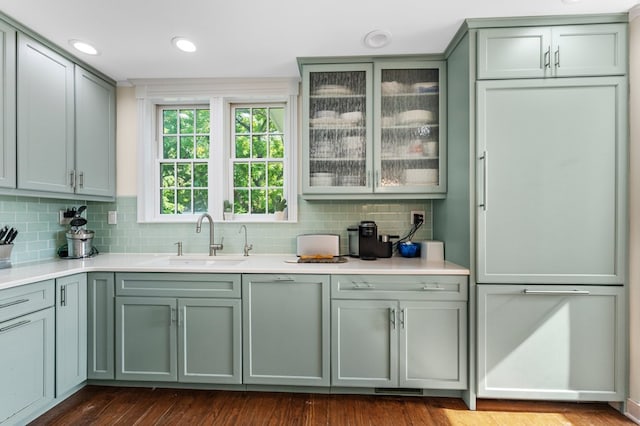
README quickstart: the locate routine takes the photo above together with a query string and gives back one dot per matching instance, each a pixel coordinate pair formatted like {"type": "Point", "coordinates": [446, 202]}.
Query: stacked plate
{"type": "Point", "coordinates": [332, 90]}
{"type": "Point", "coordinates": [322, 179]}
{"type": "Point", "coordinates": [425, 87]}
{"type": "Point", "coordinates": [421, 176]}
{"type": "Point", "coordinates": [323, 149]}
{"type": "Point", "coordinates": [350, 180]}
{"type": "Point", "coordinates": [414, 116]}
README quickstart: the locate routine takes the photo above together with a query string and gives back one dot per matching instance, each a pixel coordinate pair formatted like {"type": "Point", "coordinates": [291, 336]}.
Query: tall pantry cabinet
{"type": "Point", "coordinates": [546, 151]}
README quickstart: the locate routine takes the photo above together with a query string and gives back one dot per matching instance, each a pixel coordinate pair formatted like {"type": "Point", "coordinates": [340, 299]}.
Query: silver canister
{"type": "Point", "coordinates": [79, 243]}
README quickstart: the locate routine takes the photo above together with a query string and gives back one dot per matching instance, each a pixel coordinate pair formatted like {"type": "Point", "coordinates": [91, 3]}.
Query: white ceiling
{"type": "Point", "coordinates": [260, 38]}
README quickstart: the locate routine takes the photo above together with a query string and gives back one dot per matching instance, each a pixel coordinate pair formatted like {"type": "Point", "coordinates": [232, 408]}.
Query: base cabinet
{"type": "Point", "coordinates": [185, 339]}
{"type": "Point", "coordinates": [551, 342]}
{"type": "Point", "coordinates": [71, 332]}
{"type": "Point", "coordinates": [286, 329]}
{"type": "Point", "coordinates": [100, 325]}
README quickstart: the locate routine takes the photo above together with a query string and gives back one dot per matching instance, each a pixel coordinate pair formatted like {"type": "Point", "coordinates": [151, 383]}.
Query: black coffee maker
{"type": "Point", "coordinates": [370, 247]}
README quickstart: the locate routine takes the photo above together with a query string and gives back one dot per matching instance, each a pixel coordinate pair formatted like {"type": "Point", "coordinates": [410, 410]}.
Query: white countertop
{"type": "Point", "coordinates": [267, 264]}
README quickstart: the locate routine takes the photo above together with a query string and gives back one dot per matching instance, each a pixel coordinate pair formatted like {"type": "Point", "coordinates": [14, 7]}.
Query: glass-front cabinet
{"type": "Point", "coordinates": [374, 127]}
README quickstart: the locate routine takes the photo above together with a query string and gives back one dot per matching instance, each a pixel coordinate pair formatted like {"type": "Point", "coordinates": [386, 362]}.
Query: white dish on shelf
{"type": "Point", "coordinates": [392, 88]}
{"type": "Point", "coordinates": [420, 176]}
{"type": "Point", "coordinates": [414, 116]}
{"type": "Point", "coordinates": [352, 116]}
{"type": "Point", "coordinates": [430, 149]}
{"type": "Point", "coordinates": [425, 87]}
{"type": "Point", "coordinates": [332, 90]}
{"type": "Point", "coordinates": [326, 114]}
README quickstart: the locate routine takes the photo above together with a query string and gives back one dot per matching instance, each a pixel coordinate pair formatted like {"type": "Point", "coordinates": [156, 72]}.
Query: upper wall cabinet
{"type": "Point", "coordinates": [558, 51]}
{"type": "Point", "coordinates": [7, 107]}
{"type": "Point", "coordinates": [65, 125]}
{"type": "Point", "coordinates": [374, 128]}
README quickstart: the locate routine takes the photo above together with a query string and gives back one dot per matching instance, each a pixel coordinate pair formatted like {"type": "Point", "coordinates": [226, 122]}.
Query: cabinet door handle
{"type": "Point", "coordinates": [377, 181]}
{"type": "Point", "coordinates": [81, 180]}
{"type": "Point", "coordinates": [556, 56]}
{"type": "Point", "coordinates": [485, 160]}
{"type": "Point", "coordinates": [402, 318]}
{"type": "Point", "coordinates": [172, 317]}
{"type": "Point", "coordinates": [63, 295]}
{"type": "Point", "coordinates": [180, 315]}
{"type": "Point", "coordinates": [18, 324]}
{"type": "Point", "coordinates": [557, 292]}
{"type": "Point", "coordinates": [15, 302]}
{"type": "Point", "coordinates": [72, 179]}
{"type": "Point", "coordinates": [392, 317]}
{"type": "Point", "coordinates": [547, 58]}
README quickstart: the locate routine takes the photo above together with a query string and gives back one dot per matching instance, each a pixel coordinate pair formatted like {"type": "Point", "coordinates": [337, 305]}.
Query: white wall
{"type": "Point", "coordinates": [634, 213]}
{"type": "Point", "coordinates": [126, 141]}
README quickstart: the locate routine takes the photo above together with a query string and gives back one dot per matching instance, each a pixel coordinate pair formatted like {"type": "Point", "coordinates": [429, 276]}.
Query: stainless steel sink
{"type": "Point", "coordinates": [197, 260]}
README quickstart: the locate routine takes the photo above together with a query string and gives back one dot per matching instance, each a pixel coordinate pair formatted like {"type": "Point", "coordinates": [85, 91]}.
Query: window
{"type": "Point", "coordinates": [184, 159]}
{"type": "Point", "coordinates": [258, 147]}
{"type": "Point", "coordinates": [204, 142]}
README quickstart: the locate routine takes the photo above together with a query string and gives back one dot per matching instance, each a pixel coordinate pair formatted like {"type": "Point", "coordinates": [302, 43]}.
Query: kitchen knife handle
{"type": "Point", "coordinates": [485, 161]}
{"type": "Point", "coordinates": [18, 324]}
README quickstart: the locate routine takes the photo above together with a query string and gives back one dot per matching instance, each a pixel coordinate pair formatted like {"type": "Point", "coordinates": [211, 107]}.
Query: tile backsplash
{"type": "Point", "coordinates": [40, 234]}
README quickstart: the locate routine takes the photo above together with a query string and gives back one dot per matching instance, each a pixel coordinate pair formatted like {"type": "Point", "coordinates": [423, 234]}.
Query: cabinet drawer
{"type": "Point", "coordinates": [414, 287]}
{"type": "Point", "coordinates": [178, 285]}
{"type": "Point", "coordinates": [24, 299]}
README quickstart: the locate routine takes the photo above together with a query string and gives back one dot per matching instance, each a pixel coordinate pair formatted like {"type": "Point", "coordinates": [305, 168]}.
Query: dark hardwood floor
{"type": "Point", "coordinates": [98, 405]}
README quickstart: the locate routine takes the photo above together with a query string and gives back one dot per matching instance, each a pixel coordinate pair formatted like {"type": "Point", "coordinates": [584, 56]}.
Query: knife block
{"type": "Point", "coordinates": [5, 255]}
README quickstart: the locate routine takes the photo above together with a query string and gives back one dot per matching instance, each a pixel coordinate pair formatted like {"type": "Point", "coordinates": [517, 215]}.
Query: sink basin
{"type": "Point", "coordinates": [197, 260]}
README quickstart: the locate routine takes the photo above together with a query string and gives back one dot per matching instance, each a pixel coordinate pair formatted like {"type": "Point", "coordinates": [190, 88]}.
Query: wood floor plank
{"type": "Point", "coordinates": [97, 405]}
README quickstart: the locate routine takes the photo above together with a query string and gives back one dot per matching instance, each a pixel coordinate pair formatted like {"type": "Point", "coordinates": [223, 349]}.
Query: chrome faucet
{"type": "Point", "coordinates": [247, 247]}
{"type": "Point", "coordinates": [212, 245]}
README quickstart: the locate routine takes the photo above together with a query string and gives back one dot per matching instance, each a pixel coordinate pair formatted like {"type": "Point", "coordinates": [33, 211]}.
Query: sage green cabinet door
{"type": "Point", "coordinates": [210, 341]}
{"type": "Point", "coordinates": [364, 343]}
{"type": "Point", "coordinates": [26, 365]}
{"type": "Point", "coordinates": [146, 338]}
{"type": "Point", "coordinates": [550, 181]}
{"type": "Point", "coordinates": [7, 106]}
{"type": "Point", "coordinates": [286, 329]}
{"type": "Point", "coordinates": [45, 118]}
{"type": "Point", "coordinates": [433, 345]}
{"type": "Point", "coordinates": [590, 50]}
{"type": "Point", "coordinates": [95, 134]}
{"type": "Point", "coordinates": [551, 342]}
{"type": "Point", "coordinates": [101, 325]}
{"type": "Point", "coordinates": [71, 332]}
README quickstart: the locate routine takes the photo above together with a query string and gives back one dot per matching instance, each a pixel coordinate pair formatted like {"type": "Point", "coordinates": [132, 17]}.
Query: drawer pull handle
{"type": "Point", "coordinates": [556, 292]}
{"type": "Point", "coordinates": [18, 324]}
{"type": "Point", "coordinates": [363, 286]}
{"type": "Point", "coordinates": [15, 302]}
{"type": "Point", "coordinates": [284, 279]}
{"type": "Point", "coordinates": [427, 288]}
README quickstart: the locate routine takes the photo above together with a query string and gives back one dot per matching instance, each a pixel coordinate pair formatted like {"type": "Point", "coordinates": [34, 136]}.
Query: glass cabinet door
{"type": "Point", "coordinates": [337, 113]}
{"type": "Point", "coordinates": [409, 129]}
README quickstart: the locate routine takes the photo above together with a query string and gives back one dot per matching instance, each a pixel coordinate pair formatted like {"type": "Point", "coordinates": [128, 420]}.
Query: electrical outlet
{"type": "Point", "coordinates": [112, 217]}
{"type": "Point", "coordinates": [62, 220]}
{"type": "Point", "coordinates": [416, 216]}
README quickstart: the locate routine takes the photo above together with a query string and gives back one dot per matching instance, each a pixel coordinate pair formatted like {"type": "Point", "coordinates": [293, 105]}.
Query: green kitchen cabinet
{"type": "Point", "coordinates": [286, 329]}
{"type": "Point", "coordinates": [551, 342]}
{"type": "Point", "coordinates": [100, 325]}
{"type": "Point", "coordinates": [161, 336]}
{"type": "Point", "coordinates": [71, 332]}
{"type": "Point", "coordinates": [27, 358]}
{"type": "Point", "coordinates": [417, 338]}
{"type": "Point", "coordinates": [555, 51]}
{"type": "Point", "coordinates": [376, 127]}
{"type": "Point", "coordinates": [65, 125]}
{"type": "Point", "coordinates": [551, 173]}
{"type": "Point", "coordinates": [7, 106]}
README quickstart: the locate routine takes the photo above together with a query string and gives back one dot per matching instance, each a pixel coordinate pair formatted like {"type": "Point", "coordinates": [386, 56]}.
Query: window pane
{"type": "Point", "coordinates": [241, 175]}
{"type": "Point", "coordinates": [259, 120]}
{"type": "Point", "coordinates": [200, 175]}
{"type": "Point", "coordinates": [167, 177]}
{"type": "Point", "coordinates": [243, 120]}
{"type": "Point", "coordinates": [202, 121]}
{"type": "Point", "coordinates": [170, 121]}
{"type": "Point", "coordinates": [202, 147]}
{"type": "Point", "coordinates": [243, 148]}
{"type": "Point", "coordinates": [258, 201]}
{"type": "Point", "coordinates": [259, 146]}
{"type": "Point", "coordinates": [276, 173]}
{"type": "Point", "coordinates": [184, 201]}
{"type": "Point", "coordinates": [276, 146]}
{"type": "Point", "coordinates": [186, 147]}
{"type": "Point", "coordinates": [186, 121]}
{"type": "Point", "coordinates": [200, 200]}
{"type": "Point", "coordinates": [184, 175]}
{"type": "Point", "coordinates": [274, 194]}
{"type": "Point", "coordinates": [258, 175]}
{"type": "Point", "coordinates": [276, 120]}
{"type": "Point", "coordinates": [167, 197]}
{"type": "Point", "coordinates": [170, 147]}
{"type": "Point", "coordinates": [241, 201]}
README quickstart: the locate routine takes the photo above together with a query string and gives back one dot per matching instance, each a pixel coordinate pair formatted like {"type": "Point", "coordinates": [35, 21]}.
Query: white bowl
{"type": "Point", "coordinates": [326, 114]}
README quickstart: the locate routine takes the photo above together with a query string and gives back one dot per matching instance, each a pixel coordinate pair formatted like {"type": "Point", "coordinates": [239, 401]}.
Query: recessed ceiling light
{"type": "Point", "coordinates": [183, 44]}
{"type": "Point", "coordinates": [377, 38]}
{"type": "Point", "coordinates": [83, 47]}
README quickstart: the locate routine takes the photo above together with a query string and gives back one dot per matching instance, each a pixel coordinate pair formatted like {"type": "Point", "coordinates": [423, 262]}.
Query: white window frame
{"type": "Point", "coordinates": [219, 94]}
